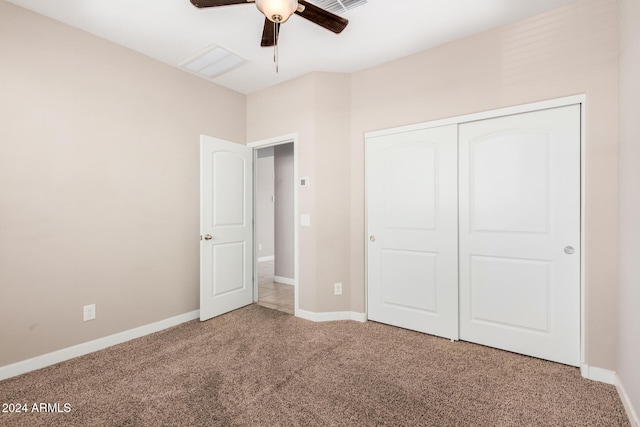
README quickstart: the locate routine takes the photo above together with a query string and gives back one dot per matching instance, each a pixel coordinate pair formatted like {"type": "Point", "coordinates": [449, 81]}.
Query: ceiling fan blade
{"type": "Point", "coordinates": [270, 33]}
{"type": "Point", "coordinates": [215, 3]}
{"type": "Point", "coordinates": [321, 17]}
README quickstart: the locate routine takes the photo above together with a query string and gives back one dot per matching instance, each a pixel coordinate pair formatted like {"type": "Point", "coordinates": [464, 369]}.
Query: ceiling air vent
{"type": "Point", "coordinates": [212, 62]}
{"type": "Point", "coordinates": [338, 6]}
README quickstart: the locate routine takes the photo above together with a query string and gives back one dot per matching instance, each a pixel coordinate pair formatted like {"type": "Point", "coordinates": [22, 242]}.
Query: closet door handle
{"type": "Point", "coordinates": [208, 237]}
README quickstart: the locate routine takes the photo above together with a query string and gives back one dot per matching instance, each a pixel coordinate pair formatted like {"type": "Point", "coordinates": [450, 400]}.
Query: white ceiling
{"type": "Point", "coordinates": [380, 31]}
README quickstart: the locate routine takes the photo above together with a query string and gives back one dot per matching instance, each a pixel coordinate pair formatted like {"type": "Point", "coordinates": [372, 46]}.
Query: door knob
{"type": "Point", "coordinates": [569, 250]}
{"type": "Point", "coordinates": [372, 238]}
{"type": "Point", "coordinates": [208, 237]}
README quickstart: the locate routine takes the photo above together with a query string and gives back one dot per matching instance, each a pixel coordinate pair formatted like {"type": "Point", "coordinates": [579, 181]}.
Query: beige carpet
{"type": "Point", "coordinates": [257, 366]}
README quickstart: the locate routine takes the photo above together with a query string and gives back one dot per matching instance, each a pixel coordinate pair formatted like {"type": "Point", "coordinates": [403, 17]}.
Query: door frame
{"type": "Point", "coordinates": [507, 111]}
{"type": "Point", "coordinates": [272, 142]}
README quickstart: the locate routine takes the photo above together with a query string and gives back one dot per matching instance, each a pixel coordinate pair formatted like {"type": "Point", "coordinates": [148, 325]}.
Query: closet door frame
{"type": "Point", "coordinates": [518, 109]}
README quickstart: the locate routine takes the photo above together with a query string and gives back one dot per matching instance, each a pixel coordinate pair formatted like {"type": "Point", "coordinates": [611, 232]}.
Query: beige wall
{"type": "Point", "coordinates": [333, 120]}
{"type": "Point", "coordinates": [629, 336]}
{"type": "Point", "coordinates": [99, 201]}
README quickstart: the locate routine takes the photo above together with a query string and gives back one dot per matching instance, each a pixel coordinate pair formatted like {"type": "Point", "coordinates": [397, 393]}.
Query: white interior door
{"type": "Point", "coordinates": [226, 246]}
{"type": "Point", "coordinates": [520, 233]}
{"type": "Point", "coordinates": [412, 230]}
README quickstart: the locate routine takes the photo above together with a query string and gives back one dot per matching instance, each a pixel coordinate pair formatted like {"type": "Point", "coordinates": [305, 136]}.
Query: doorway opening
{"type": "Point", "coordinates": [275, 237]}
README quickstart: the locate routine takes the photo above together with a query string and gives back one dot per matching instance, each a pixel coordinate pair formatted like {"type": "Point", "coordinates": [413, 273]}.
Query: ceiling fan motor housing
{"type": "Point", "coordinates": [277, 10]}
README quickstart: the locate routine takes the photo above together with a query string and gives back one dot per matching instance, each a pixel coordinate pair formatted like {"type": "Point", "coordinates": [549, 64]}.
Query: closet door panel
{"type": "Point", "coordinates": [520, 233]}
{"type": "Point", "coordinates": [412, 230]}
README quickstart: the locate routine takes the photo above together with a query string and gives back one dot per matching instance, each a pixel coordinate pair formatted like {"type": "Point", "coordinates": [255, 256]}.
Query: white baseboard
{"type": "Point", "coordinates": [49, 359]}
{"type": "Point", "coordinates": [285, 280]}
{"type": "Point", "coordinates": [598, 374]}
{"type": "Point", "coordinates": [266, 258]}
{"type": "Point", "coordinates": [331, 316]}
{"type": "Point", "coordinates": [626, 402]}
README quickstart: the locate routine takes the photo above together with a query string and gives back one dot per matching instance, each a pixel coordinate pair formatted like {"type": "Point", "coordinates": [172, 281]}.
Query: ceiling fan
{"type": "Point", "coordinates": [278, 11]}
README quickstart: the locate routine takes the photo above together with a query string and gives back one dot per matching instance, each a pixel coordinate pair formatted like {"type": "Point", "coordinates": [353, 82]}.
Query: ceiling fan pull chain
{"type": "Point", "coordinates": [275, 45]}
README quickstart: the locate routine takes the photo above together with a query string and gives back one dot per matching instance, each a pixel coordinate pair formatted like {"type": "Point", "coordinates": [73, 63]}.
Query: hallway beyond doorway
{"type": "Point", "coordinates": [271, 294]}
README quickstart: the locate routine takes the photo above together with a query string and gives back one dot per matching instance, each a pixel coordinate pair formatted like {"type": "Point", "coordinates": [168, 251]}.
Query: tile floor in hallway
{"type": "Point", "coordinates": [271, 294]}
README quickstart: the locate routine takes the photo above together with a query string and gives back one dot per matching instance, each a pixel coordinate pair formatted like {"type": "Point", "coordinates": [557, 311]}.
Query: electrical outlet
{"type": "Point", "coordinates": [89, 312]}
{"type": "Point", "coordinates": [337, 288]}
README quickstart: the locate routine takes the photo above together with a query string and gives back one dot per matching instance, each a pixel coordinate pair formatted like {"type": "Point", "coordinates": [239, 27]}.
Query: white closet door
{"type": "Point", "coordinates": [412, 230]}
{"type": "Point", "coordinates": [520, 233]}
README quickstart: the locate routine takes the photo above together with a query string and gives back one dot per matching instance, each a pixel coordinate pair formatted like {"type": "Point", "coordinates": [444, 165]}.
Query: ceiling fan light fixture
{"type": "Point", "coordinates": [277, 10]}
